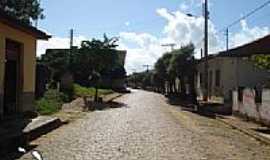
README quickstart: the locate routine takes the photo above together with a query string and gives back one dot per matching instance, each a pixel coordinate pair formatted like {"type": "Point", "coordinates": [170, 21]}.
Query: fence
{"type": "Point", "coordinates": [252, 104]}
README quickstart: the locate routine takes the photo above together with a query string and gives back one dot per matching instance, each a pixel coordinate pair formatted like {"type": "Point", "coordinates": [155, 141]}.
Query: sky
{"type": "Point", "coordinates": [143, 25]}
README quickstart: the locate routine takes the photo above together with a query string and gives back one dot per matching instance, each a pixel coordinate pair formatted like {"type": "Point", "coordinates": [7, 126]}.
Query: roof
{"type": "Point", "coordinates": [259, 46]}
{"type": "Point", "coordinates": [14, 23]}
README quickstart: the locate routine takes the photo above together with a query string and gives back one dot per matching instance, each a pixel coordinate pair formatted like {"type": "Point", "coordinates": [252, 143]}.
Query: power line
{"type": "Point", "coordinates": [226, 29]}
{"type": "Point", "coordinates": [247, 15]}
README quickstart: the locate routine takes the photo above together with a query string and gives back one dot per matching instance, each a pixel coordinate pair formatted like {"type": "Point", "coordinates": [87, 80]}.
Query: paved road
{"type": "Point", "coordinates": [147, 128]}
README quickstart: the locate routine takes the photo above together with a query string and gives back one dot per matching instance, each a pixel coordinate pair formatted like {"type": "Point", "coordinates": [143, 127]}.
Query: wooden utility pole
{"type": "Point", "coordinates": [147, 67]}
{"type": "Point", "coordinates": [206, 16]}
{"type": "Point", "coordinates": [71, 45]}
{"type": "Point", "coordinates": [71, 38]}
{"type": "Point", "coordinates": [227, 39]}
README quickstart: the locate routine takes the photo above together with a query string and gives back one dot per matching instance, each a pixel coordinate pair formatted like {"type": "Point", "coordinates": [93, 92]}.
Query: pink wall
{"type": "Point", "coordinates": [257, 111]}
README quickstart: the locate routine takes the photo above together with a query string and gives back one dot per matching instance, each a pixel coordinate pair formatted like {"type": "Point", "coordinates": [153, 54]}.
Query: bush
{"type": "Point", "coordinates": [51, 102]}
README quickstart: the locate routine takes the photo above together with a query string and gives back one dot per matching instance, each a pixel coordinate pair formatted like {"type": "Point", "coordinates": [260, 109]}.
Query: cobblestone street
{"type": "Point", "coordinates": [147, 128]}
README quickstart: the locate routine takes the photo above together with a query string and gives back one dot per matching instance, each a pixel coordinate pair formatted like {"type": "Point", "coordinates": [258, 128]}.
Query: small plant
{"type": "Point", "coordinates": [51, 102]}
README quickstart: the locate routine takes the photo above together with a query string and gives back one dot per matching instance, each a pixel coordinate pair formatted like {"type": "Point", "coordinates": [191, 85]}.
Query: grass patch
{"type": "Point", "coordinates": [51, 102]}
{"type": "Point", "coordinates": [81, 91]}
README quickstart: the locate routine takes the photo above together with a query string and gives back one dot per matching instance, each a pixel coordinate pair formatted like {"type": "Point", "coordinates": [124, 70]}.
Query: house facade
{"type": "Point", "coordinates": [17, 65]}
{"type": "Point", "coordinates": [229, 70]}
{"type": "Point", "coordinates": [228, 73]}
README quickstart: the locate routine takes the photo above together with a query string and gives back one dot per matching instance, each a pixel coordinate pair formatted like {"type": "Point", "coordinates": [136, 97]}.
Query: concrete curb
{"type": "Point", "coordinates": [115, 97]}
{"type": "Point", "coordinates": [43, 129]}
{"type": "Point", "coordinates": [248, 132]}
{"type": "Point", "coordinates": [12, 142]}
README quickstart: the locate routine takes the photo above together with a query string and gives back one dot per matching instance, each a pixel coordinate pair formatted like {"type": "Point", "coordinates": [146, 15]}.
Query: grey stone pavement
{"type": "Point", "coordinates": [147, 128]}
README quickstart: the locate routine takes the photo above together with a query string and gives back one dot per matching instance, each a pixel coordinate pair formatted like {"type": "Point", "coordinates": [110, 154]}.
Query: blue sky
{"type": "Point", "coordinates": [142, 24]}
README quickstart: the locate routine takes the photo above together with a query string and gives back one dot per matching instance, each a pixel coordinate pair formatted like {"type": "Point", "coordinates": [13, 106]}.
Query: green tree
{"type": "Point", "coordinates": [262, 61]}
{"type": "Point", "coordinates": [182, 66]}
{"type": "Point", "coordinates": [96, 57]}
{"type": "Point", "coordinates": [24, 10]}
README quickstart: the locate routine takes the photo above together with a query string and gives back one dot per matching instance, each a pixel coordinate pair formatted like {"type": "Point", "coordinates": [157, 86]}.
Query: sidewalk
{"type": "Point", "coordinates": [217, 110]}
{"type": "Point", "coordinates": [257, 131]}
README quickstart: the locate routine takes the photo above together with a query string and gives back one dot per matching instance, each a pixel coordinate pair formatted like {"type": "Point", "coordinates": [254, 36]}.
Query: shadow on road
{"type": "Point", "coordinates": [15, 154]}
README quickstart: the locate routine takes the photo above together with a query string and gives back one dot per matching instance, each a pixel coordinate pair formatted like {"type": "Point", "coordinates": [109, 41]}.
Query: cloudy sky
{"type": "Point", "coordinates": [143, 25]}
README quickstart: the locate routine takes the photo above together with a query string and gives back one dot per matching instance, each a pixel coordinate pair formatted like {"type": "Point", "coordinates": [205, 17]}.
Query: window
{"type": "Point", "coordinates": [217, 78]}
{"type": "Point", "coordinates": [201, 79]}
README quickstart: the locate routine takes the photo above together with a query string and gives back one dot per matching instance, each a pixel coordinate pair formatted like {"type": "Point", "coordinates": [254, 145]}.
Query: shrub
{"type": "Point", "coordinates": [51, 102]}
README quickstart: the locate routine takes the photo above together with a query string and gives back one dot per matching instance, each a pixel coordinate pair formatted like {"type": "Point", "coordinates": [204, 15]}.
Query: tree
{"type": "Point", "coordinates": [24, 10]}
{"type": "Point", "coordinates": [97, 57]}
{"type": "Point", "coordinates": [182, 64]}
{"type": "Point", "coordinates": [262, 61]}
{"type": "Point", "coordinates": [94, 57]}
{"type": "Point", "coordinates": [177, 64]}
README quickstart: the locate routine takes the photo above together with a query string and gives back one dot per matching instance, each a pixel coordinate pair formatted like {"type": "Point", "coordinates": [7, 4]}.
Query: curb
{"type": "Point", "coordinates": [42, 129]}
{"type": "Point", "coordinates": [12, 142]}
{"type": "Point", "coordinates": [248, 132]}
{"type": "Point", "coordinates": [113, 98]}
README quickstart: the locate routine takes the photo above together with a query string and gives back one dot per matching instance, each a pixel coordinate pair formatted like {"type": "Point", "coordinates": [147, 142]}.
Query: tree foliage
{"type": "Point", "coordinates": [262, 61]}
{"type": "Point", "coordinates": [24, 10]}
{"type": "Point", "coordinates": [93, 56]}
{"type": "Point", "coordinates": [179, 64]}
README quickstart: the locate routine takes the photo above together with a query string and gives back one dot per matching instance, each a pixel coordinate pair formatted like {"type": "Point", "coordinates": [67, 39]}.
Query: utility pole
{"type": "Point", "coordinates": [227, 39]}
{"type": "Point", "coordinates": [71, 45]}
{"type": "Point", "coordinates": [147, 67]}
{"type": "Point", "coordinates": [71, 38]}
{"type": "Point", "coordinates": [206, 16]}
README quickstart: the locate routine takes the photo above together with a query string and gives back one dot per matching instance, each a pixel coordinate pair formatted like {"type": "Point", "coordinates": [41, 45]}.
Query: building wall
{"type": "Point", "coordinates": [248, 108]}
{"type": "Point", "coordinates": [214, 65]}
{"type": "Point", "coordinates": [28, 62]}
{"type": "Point", "coordinates": [234, 72]}
{"type": "Point", "coordinates": [249, 75]}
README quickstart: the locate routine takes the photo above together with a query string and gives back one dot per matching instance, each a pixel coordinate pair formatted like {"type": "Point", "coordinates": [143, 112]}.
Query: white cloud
{"type": "Point", "coordinates": [184, 6]}
{"type": "Point", "coordinates": [57, 42]}
{"type": "Point", "coordinates": [127, 24]}
{"type": "Point", "coordinates": [248, 34]}
{"type": "Point", "coordinates": [145, 48]}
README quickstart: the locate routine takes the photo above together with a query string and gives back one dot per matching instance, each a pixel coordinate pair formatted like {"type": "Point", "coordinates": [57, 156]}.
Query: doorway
{"type": "Point", "coordinates": [11, 80]}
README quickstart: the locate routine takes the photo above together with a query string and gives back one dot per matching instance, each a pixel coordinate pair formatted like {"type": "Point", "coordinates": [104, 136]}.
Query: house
{"type": "Point", "coordinates": [229, 70]}
{"type": "Point", "coordinates": [17, 65]}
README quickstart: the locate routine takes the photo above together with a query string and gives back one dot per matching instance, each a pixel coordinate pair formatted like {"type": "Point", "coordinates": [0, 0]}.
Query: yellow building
{"type": "Point", "coordinates": [18, 43]}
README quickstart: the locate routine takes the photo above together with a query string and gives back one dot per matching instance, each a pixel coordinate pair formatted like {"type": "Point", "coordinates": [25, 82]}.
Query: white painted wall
{"type": "Point", "coordinates": [248, 107]}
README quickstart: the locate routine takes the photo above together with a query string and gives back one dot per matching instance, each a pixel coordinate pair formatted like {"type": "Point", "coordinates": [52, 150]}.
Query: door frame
{"type": "Point", "coordinates": [19, 76]}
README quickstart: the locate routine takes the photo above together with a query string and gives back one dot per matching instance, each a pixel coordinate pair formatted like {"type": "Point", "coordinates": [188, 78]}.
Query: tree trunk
{"type": "Point", "coordinates": [96, 94]}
